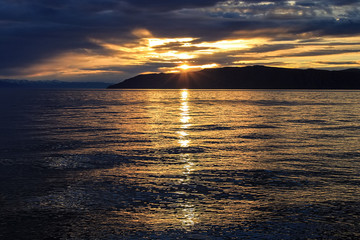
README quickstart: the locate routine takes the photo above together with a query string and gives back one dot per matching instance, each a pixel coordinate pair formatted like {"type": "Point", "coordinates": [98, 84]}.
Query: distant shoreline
{"type": "Point", "coordinates": [50, 84]}
{"type": "Point", "coordinates": [252, 77]}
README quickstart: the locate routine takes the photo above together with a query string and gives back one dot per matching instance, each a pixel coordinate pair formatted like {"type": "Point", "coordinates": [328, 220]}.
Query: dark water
{"type": "Point", "coordinates": [179, 164]}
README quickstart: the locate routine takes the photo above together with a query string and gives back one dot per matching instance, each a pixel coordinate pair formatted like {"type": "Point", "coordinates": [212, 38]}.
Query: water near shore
{"type": "Point", "coordinates": [179, 164]}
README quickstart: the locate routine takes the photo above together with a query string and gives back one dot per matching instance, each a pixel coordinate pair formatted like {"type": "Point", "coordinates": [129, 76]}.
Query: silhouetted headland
{"type": "Point", "coordinates": [251, 77]}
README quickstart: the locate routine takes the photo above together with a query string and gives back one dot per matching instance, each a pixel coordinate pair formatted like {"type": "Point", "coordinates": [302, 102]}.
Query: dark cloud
{"type": "Point", "coordinates": [340, 2]}
{"type": "Point", "coordinates": [339, 63]}
{"type": "Point", "coordinates": [170, 5]}
{"type": "Point", "coordinates": [27, 44]}
{"type": "Point", "coordinates": [271, 47]}
{"type": "Point", "coordinates": [178, 46]}
{"type": "Point", "coordinates": [322, 52]}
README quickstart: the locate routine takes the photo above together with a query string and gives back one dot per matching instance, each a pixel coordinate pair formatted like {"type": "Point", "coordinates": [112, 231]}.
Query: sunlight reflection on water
{"type": "Point", "coordinates": [188, 210]}
{"type": "Point", "coordinates": [170, 164]}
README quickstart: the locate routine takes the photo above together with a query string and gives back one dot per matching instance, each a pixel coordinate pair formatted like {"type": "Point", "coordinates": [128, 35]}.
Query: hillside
{"type": "Point", "coordinates": [252, 77]}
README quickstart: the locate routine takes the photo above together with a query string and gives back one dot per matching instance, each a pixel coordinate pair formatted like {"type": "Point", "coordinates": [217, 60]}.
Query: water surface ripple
{"type": "Point", "coordinates": [179, 164]}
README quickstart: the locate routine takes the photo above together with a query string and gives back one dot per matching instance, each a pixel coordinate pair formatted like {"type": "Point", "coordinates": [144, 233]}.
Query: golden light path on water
{"type": "Point", "coordinates": [184, 119]}
{"type": "Point", "coordinates": [189, 215]}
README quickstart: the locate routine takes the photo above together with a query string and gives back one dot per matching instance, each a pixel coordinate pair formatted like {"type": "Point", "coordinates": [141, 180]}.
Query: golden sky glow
{"type": "Point", "coordinates": [113, 44]}
{"type": "Point", "coordinates": [186, 54]}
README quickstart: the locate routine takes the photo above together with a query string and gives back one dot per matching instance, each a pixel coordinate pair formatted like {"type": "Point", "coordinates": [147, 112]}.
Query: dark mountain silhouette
{"type": "Point", "coordinates": [11, 83]}
{"type": "Point", "coordinates": [252, 77]}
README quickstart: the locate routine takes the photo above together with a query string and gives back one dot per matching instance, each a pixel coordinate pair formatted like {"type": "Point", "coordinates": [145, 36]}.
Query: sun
{"type": "Point", "coordinates": [184, 67]}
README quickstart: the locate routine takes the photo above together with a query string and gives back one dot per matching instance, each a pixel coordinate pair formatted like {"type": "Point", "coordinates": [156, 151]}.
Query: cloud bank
{"type": "Point", "coordinates": [112, 39]}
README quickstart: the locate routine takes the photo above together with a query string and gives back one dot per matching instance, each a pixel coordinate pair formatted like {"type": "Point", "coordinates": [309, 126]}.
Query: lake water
{"type": "Point", "coordinates": [179, 164]}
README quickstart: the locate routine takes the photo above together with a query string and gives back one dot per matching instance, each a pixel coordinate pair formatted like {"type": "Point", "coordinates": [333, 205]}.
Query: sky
{"type": "Point", "coordinates": [112, 40]}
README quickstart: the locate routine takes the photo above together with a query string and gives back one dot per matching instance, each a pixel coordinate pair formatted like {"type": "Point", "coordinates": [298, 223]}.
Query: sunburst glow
{"type": "Point", "coordinates": [184, 67]}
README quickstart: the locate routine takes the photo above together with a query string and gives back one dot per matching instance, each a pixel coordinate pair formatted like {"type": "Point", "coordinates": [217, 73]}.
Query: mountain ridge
{"type": "Point", "coordinates": [250, 77]}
